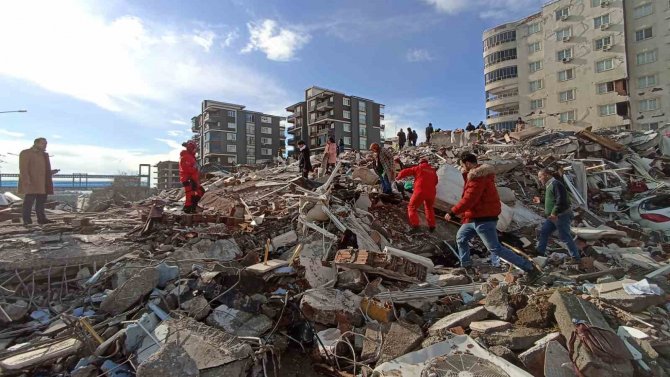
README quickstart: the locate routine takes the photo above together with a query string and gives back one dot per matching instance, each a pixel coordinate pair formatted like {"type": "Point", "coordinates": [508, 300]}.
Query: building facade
{"type": "Point", "coordinates": [228, 134]}
{"type": "Point", "coordinates": [328, 113]}
{"type": "Point", "coordinates": [593, 63]}
{"type": "Point", "coordinates": [167, 175]}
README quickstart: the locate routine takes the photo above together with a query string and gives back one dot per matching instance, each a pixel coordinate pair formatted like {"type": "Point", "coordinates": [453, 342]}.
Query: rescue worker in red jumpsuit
{"type": "Point", "coordinates": [425, 182]}
{"type": "Point", "coordinates": [188, 176]}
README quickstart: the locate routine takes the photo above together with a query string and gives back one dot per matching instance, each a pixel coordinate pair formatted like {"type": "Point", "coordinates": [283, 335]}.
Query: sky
{"type": "Point", "coordinates": [112, 84]}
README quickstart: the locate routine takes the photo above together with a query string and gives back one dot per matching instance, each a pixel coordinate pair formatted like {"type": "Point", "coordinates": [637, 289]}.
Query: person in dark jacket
{"type": "Point", "coordinates": [402, 139]}
{"type": "Point", "coordinates": [429, 132]}
{"type": "Point", "coordinates": [424, 191]}
{"type": "Point", "coordinates": [479, 209]}
{"type": "Point", "coordinates": [304, 159]}
{"type": "Point", "coordinates": [189, 176]}
{"type": "Point", "coordinates": [35, 180]}
{"type": "Point", "coordinates": [409, 136]}
{"type": "Point", "coordinates": [559, 214]}
{"type": "Point", "coordinates": [470, 127]}
{"type": "Point", "coordinates": [481, 126]}
{"type": "Point", "coordinates": [340, 148]}
{"type": "Point", "coordinates": [415, 137]}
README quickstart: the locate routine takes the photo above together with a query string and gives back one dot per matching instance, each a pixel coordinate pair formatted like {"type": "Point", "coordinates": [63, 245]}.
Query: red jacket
{"type": "Point", "coordinates": [188, 168]}
{"type": "Point", "coordinates": [425, 178]}
{"type": "Point", "coordinates": [480, 198]}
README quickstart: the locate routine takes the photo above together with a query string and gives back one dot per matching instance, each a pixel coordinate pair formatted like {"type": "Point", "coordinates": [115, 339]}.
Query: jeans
{"type": "Point", "coordinates": [486, 230]}
{"type": "Point", "coordinates": [562, 224]}
{"type": "Point", "coordinates": [386, 184]}
{"type": "Point", "coordinates": [38, 200]}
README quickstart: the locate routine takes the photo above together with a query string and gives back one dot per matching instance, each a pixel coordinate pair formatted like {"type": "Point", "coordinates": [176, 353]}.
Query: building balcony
{"type": "Point", "coordinates": [501, 116]}
{"type": "Point", "coordinates": [505, 98]}
{"type": "Point", "coordinates": [324, 106]}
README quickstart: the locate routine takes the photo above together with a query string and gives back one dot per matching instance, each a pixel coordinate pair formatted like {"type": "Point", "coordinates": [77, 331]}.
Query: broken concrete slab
{"type": "Point", "coordinates": [170, 361]}
{"type": "Point", "coordinates": [505, 353]}
{"type": "Point", "coordinates": [463, 319]}
{"type": "Point", "coordinates": [198, 307]}
{"type": "Point", "coordinates": [497, 302]}
{"type": "Point", "coordinates": [489, 326]}
{"type": "Point", "coordinates": [516, 339]}
{"type": "Point", "coordinates": [10, 312]}
{"type": "Point", "coordinates": [557, 361]}
{"type": "Point", "coordinates": [130, 291]}
{"type": "Point", "coordinates": [385, 264]}
{"type": "Point", "coordinates": [166, 274]}
{"type": "Point", "coordinates": [352, 280]}
{"type": "Point", "coordinates": [325, 305]}
{"type": "Point", "coordinates": [631, 303]}
{"type": "Point", "coordinates": [35, 356]}
{"type": "Point", "coordinates": [536, 315]}
{"type": "Point", "coordinates": [533, 358]}
{"type": "Point", "coordinates": [449, 279]}
{"type": "Point", "coordinates": [262, 268]}
{"type": "Point", "coordinates": [239, 323]}
{"type": "Point", "coordinates": [371, 343]}
{"type": "Point", "coordinates": [401, 338]}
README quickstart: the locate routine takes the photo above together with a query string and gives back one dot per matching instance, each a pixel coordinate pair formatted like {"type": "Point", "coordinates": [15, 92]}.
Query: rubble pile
{"type": "Point", "coordinates": [278, 275]}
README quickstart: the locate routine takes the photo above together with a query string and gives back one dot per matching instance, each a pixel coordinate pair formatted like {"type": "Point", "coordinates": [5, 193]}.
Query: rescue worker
{"type": "Point", "coordinates": [383, 166]}
{"type": "Point", "coordinates": [479, 209]}
{"type": "Point", "coordinates": [402, 139]}
{"type": "Point", "coordinates": [425, 182]}
{"type": "Point", "coordinates": [189, 176]}
{"type": "Point", "coordinates": [429, 132]}
{"type": "Point", "coordinates": [304, 159]}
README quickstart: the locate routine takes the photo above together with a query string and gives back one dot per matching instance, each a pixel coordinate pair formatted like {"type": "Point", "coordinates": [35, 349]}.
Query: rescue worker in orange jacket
{"type": "Point", "coordinates": [189, 176]}
{"type": "Point", "coordinates": [425, 183]}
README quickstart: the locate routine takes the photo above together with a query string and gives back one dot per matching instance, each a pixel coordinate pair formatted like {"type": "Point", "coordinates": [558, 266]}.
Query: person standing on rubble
{"type": "Point", "coordinates": [304, 159]}
{"type": "Point", "coordinates": [470, 127]}
{"type": "Point", "coordinates": [557, 208]}
{"type": "Point", "coordinates": [35, 180]}
{"type": "Point", "coordinates": [383, 166]}
{"type": "Point", "coordinates": [340, 148]}
{"type": "Point", "coordinates": [429, 132]}
{"type": "Point", "coordinates": [330, 154]}
{"type": "Point", "coordinates": [424, 191]}
{"type": "Point", "coordinates": [415, 137]}
{"type": "Point", "coordinates": [402, 139]}
{"type": "Point", "coordinates": [479, 209]}
{"type": "Point", "coordinates": [409, 136]}
{"type": "Point", "coordinates": [189, 176]}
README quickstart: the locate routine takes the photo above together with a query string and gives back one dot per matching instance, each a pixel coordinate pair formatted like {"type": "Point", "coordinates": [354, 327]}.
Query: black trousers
{"type": "Point", "coordinates": [38, 200]}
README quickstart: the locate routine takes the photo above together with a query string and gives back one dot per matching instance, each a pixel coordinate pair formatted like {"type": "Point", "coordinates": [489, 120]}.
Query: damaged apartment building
{"type": "Point", "coordinates": [229, 134]}
{"type": "Point", "coordinates": [328, 113]}
{"type": "Point", "coordinates": [593, 63]}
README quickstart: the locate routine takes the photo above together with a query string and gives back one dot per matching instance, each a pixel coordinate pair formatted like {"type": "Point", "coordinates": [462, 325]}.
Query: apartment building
{"type": "Point", "coordinates": [328, 113]}
{"type": "Point", "coordinates": [167, 175]}
{"type": "Point", "coordinates": [597, 63]}
{"type": "Point", "coordinates": [228, 134]}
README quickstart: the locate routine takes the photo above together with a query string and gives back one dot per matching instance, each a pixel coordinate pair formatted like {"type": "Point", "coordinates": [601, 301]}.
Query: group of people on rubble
{"type": "Point", "coordinates": [411, 137]}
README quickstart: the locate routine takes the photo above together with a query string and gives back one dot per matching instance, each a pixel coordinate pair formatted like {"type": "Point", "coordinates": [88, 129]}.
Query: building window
{"type": "Point", "coordinates": [563, 34]}
{"type": "Point", "coordinates": [500, 38]}
{"type": "Point", "coordinates": [266, 119]}
{"type": "Point", "coordinates": [650, 126]}
{"type": "Point", "coordinates": [599, 21]}
{"type": "Point", "coordinates": [362, 106]}
{"type": "Point", "coordinates": [566, 75]}
{"type": "Point", "coordinates": [606, 110]}
{"type": "Point", "coordinates": [646, 57]}
{"type": "Point", "coordinates": [643, 10]}
{"type": "Point", "coordinates": [648, 104]}
{"type": "Point", "coordinates": [646, 81]}
{"type": "Point", "coordinates": [566, 96]}
{"type": "Point", "coordinates": [206, 148]}
{"type": "Point", "coordinates": [231, 136]}
{"type": "Point", "coordinates": [642, 34]}
{"type": "Point", "coordinates": [251, 159]}
{"type": "Point", "coordinates": [363, 131]}
{"type": "Point", "coordinates": [251, 150]}
{"type": "Point", "coordinates": [362, 118]}
{"type": "Point", "coordinates": [346, 101]}
{"type": "Point", "coordinates": [346, 114]}
{"type": "Point", "coordinates": [500, 56]}
{"type": "Point", "coordinates": [564, 54]}
{"type": "Point", "coordinates": [538, 122]}
{"type": "Point", "coordinates": [536, 104]}
{"type": "Point", "coordinates": [266, 130]}
{"type": "Point", "coordinates": [605, 87]}
{"type": "Point", "coordinates": [347, 140]}
{"type": "Point", "coordinates": [562, 14]}
{"type": "Point", "coordinates": [250, 118]}
{"type": "Point", "coordinates": [535, 66]}
{"type": "Point", "coordinates": [534, 28]}
{"type": "Point", "coordinates": [535, 85]}
{"type": "Point", "coordinates": [232, 160]}
{"type": "Point", "coordinates": [501, 74]}
{"type": "Point", "coordinates": [346, 127]}
{"type": "Point", "coordinates": [232, 148]}
{"type": "Point", "coordinates": [604, 65]}
{"type": "Point", "coordinates": [232, 113]}
{"type": "Point", "coordinates": [534, 47]}
{"type": "Point", "coordinates": [363, 143]}
{"type": "Point", "coordinates": [251, 140]}
{"type": "Point", "coordinates": [568, 116]}
{"type": "Point", "coordinates": [232, 126]}
{"type": "Point", "coordinates": [251, 129]}
{"type": "Point", "coordinates": [602, 42]}
{"type": "Point", "coordinates": [266, 151]}
{"type": "Point", "coordinates": [266, 141]}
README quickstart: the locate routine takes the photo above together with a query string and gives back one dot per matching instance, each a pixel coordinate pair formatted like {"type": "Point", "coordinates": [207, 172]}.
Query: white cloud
{"type": "Point", "coordinates": [125, 64]}
{"type": "Point", "coordinates": [179, 122]}
{"type": "Point", "coordinates": [56, 136]}
{"type": "Point", "coordinates": [175, 133]}
{"type": "Point", "coordinates": [280, 44]}
{"type": "Point", "coordinates": [418, 55]}
{"type": "Point", "coordinates": [10, 133]}
{"type": "Point", "coordinates": [230, 38]}
{"type": "Point", "coordinates": [498, 9]}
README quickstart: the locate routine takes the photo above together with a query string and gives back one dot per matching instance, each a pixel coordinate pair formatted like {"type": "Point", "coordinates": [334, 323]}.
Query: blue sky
{"type": "Point", "coordinates": [113, 84]}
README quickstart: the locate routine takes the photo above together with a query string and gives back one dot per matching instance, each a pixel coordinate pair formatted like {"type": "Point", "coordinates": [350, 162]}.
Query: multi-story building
{"type": "Point", "coordinates": [167, 175]}
{"type": "Point", "coordinates": [228, 134]}
{"type": "Point", "coordinates": [329, 113]}
{"type": "Point", "coordinates": [598, 63]}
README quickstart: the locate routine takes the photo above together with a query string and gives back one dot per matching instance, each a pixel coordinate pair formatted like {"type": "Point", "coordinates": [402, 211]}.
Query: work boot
{"type": "Point", "coordinates": [189, 209]}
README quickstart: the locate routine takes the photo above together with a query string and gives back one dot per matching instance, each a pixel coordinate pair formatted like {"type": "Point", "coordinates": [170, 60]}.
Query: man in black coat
{"type": "Point", "coordinates": [304, 161]}
{"type": "Point", "coordinates": [402, 138]}
{"type": "Point", "coordinates": [429, 132]}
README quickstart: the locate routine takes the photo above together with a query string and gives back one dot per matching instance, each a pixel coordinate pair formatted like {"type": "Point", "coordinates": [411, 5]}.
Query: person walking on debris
{"type": "Point", "coordinates": [479, 209]}
{"type": "Point", "coordinates": [429, 132]}
{"type": "Point", "coordinates": [559, 214]}
{"type": "Point", "coordinates": [425, 183]}
{"type": "Point", "coordinates": [415, 137]}
{"type": "Point", "coordinates": [330, 155]}
{"type": "Point", "coordinates": [409, 136]}
{"type": "Point", "coordinates": [383, 166]}
{"type": "Point", "coordinates": [340, 148]}
{"type": "Point", "coordinates": [304, 159]}
{"type": "Point", "coordinates": [189, 176]}
{"type": "Point", "coordinates": [402, 139]}
{"type": "Point", "coordinates": [35, 180]}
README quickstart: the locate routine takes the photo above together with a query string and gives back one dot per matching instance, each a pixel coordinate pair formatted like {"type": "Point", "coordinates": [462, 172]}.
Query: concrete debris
{"type": "Point", "coordinates": [274, 271]}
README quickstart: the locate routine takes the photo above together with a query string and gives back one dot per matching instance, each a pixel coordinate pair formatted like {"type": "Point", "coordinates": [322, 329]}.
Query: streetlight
{"type": "Point", "coordinates": [14, 111]}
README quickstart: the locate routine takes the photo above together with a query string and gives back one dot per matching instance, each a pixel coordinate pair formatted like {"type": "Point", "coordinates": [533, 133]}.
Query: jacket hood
{"type": "Point", "coordinates": [481, 171]}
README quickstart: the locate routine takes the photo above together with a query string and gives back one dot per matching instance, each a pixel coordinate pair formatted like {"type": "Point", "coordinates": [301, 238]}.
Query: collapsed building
{"type": "Point", "coordinates": [283, 276]}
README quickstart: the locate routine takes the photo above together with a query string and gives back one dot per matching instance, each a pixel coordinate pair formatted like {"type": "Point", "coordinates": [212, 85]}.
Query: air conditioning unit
{"type": "Point", "coordinates": [604, 3]}
{"type": "Point", "coordinates": [564, 17]}
{"type": "Point", "coordinates": [566, 60]}
{"type": "Point", "coordinates": [607, 47]}
{"type": "Point", "coordinates": [604, 26]}
{"type": "Point", "coordinates": [565, 39]}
